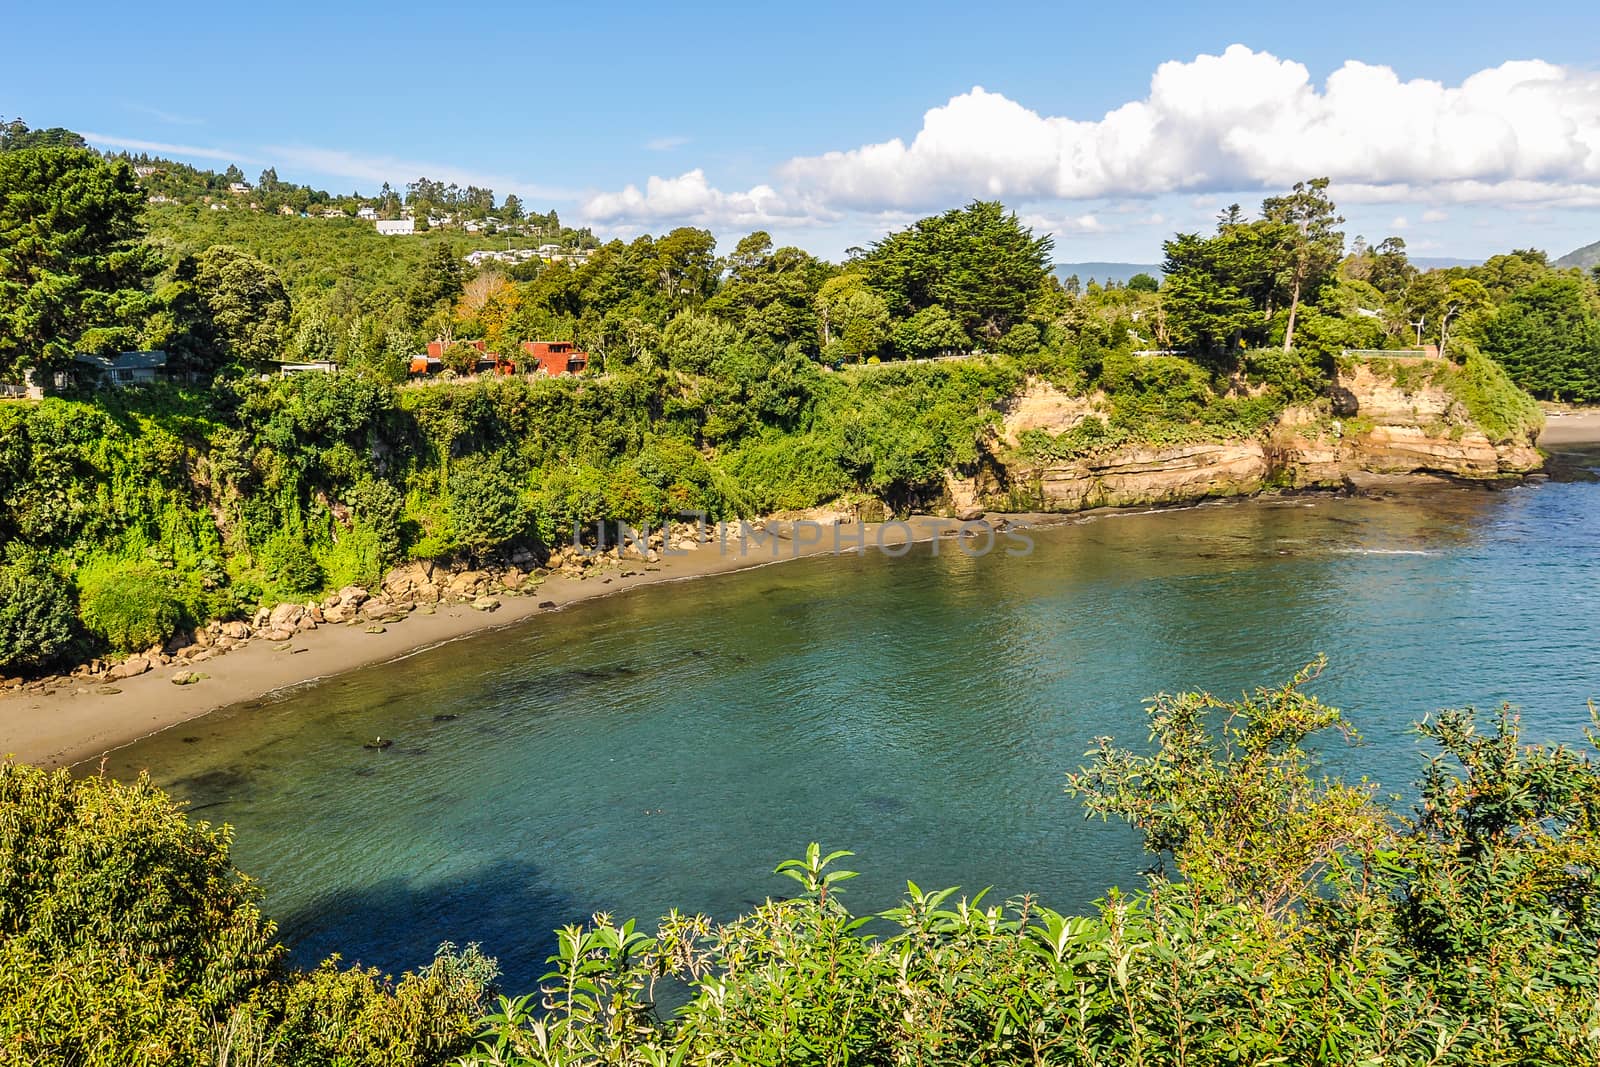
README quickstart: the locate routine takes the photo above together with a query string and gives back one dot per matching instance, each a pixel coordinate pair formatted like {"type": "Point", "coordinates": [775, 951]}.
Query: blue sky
{"type": "Point", "coordinates": [733, 108]}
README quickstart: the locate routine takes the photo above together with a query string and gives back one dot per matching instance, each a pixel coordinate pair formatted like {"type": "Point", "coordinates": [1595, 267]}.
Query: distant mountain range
{"type": "Point", "coordinates": [1584, 258]}
{"type": "Point", "coordinates": [1121, 272]}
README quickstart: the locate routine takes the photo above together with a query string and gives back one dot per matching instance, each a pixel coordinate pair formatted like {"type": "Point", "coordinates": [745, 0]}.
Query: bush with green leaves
{"type": "Point", "coordinates": [129, 605]}
{"type": "Point", "coordinates": [291, 567]}
{"type": "Point", "coordinates": [38, 613]}
{"type": "Point", "coordinates": [127, 937]}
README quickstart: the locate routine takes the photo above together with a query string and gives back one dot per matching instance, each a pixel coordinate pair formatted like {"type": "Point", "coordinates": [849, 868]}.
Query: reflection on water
{"type": "Point", "coordinates": [669, 747]}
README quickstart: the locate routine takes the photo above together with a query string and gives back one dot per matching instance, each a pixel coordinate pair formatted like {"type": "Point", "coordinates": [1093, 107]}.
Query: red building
{"type": "Point", "coordinates": [548, 357]}
{"type": "Point", "coordinates": [433, 361]}
{"type": "Point", "coordinates": [554, 357]}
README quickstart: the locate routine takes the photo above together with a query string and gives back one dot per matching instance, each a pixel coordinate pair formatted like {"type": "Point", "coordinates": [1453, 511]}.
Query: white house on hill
{"type": "Point", "coordinates": [396, 227]}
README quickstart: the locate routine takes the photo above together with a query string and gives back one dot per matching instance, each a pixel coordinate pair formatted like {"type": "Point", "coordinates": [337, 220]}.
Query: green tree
{"type": "Point", "coordinates": [1547, 336]}
{"type": "Point", "coordinates": [439, 284]}
{"type": "Point", "coordinates": [247, 311]}
{"type": "Point", "coordinates": [314, 340]}
{"type": "Point", "coordinates": [1143, 283]}
{"type": "Point", "coordinates": [37, 610]}
{"type": "Point", "coordinates": [929, 332]}
{"type": "Point", "coordinates": [461, 357]}
{"type": "Point", "coordinates": [129, 606]}
{"type": "Point", "coordinates": [72, 265]}
{"type": "Point", "coordinates": [1217, 289]}
{"type": "Point", "coordinates": [1308, 242]}
{"type": "Point", "coordinates": [15, 136]}
{"type": "Point", "coordinates": [769, 293]}
{"type": "Point", "coordinates": [686, 266]}
{"type": "Point", "coordinates": [978, 262]}
{"type": "Point", "coordinates": [128, 937]}
{"type": "Point", "coordinates": [854, 319]}
{"type": "Point", "coordinates": [487, 506]}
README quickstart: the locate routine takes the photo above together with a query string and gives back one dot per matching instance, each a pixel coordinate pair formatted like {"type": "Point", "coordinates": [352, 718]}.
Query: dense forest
{"type": "Point", "coordinates": [759, 381]}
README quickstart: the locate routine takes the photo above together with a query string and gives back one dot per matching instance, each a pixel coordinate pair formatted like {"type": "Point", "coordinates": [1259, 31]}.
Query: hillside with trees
{"type": "Point", "coordinates": [734, 385]}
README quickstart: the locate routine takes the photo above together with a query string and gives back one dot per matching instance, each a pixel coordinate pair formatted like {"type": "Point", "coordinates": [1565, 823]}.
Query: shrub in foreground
{"type": "Point", "coordinates": [127, 937]}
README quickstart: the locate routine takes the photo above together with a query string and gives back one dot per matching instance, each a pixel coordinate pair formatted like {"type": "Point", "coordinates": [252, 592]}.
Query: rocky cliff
{"type": "Point", "coordinates": [1375, 421]}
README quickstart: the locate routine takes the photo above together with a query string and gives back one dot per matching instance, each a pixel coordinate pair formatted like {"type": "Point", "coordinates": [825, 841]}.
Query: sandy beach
{"type": "Point", "coordinates": [1578, 426]}
{"type": "Point", "coordinates": [81, 720]}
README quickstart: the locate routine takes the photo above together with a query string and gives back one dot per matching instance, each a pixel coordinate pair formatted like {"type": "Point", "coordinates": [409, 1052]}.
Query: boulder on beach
{"type": "Point", "coordinates": [131, 667]}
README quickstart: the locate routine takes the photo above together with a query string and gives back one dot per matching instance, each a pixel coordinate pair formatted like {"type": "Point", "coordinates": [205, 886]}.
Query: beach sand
{"type": "Point", "coordinates": [81, 720]}
{"type": "Point", "coordinates": [1580, 426]}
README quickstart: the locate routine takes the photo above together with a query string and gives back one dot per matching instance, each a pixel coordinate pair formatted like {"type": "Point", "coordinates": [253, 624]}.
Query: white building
{"type": "Point", "coordinates": [396, 227]}
{"type": "Point", "coordinates": [367, 212]}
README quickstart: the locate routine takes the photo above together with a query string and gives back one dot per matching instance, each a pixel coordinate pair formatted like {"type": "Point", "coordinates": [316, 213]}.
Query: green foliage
{"type": "Point", "coordinates": [290, 567]}
{"type": "Point", "coordinates": [127, 937]}
{"type": "Point", "coordinates": [129, 605]}
{"type": "Point", "coordinates": [1547, 336]}
{"type": "Point", "coordinates": [1493, 401]}
{"type": "Point", "coordinates": [460, 357]}
{"type": "Point", "coordinates": [978, 262]}
{"type": "Point", "coordinates": [1167, 400]}
{"type": "Point", "coordinates": [15, 136]}
{"type": "Point", "coordinates": [933, 331]}
{"type": "Point", "coordinates": [247, 310]}
{"type": "Point", "coordinates": [72, 268]}
{"type": "Point", "coordinates": [37, 611]}
{"type": "Point", "coordinates": [486, 501]}
{"type": "Point", "coordinates": [112, 876]}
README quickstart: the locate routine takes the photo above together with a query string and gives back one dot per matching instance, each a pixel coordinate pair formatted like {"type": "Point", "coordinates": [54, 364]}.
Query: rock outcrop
{"type": "Point", "coordinates": [1373, 424]}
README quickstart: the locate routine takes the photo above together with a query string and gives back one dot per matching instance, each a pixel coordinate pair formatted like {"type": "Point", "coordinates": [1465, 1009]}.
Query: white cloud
{"type": "Point", "coordinates": [1435, 215]}
{"type": "Point", "coordinates": [690, 198]}
{"type": "Point", "coordinates": [1061, 225]}
{"type": "Point", "coordinates": [1526, 131]}
{"type": "Point", "coordinates": [1399, 222]}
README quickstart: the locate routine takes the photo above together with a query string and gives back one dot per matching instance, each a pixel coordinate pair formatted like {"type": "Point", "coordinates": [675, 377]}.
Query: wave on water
{"type": "Point", "coordinates": [1384, 552]}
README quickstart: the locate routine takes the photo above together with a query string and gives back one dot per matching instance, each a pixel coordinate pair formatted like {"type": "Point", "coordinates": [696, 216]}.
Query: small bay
{"type": "Point", "coordinates": [669, 747]}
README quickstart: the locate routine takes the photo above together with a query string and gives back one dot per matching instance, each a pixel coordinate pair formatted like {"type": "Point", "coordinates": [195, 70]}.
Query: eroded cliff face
{"type": "Point", "coordinates": [1374, 424]}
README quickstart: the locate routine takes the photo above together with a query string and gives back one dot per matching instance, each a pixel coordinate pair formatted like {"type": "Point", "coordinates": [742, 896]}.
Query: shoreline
{"type": "Point", "coordinates": [1574, 426]}
{"type": "Point", "coordinates": [79, 720]}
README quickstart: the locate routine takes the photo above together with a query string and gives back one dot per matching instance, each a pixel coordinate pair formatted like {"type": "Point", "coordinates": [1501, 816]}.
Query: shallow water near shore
{"type": "Point", "coordinates": [668, 747]}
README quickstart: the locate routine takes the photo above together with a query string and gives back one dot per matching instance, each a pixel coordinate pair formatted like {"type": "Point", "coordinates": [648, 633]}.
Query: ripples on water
{"type": "Point", "coordinates": [668, 747]}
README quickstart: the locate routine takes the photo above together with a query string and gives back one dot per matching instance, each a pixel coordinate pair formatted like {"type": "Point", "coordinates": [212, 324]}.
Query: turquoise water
{"type": "Point", "coordinates": [669, 747]}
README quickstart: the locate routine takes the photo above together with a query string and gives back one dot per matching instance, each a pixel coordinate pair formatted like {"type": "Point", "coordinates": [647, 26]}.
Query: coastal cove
{"type": "Point", "coordinates": [668, 747]}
